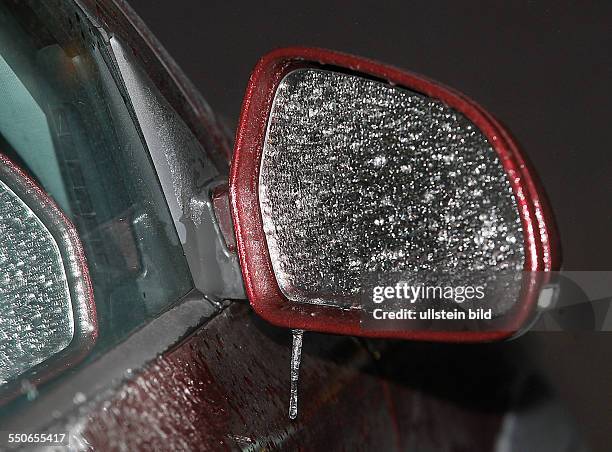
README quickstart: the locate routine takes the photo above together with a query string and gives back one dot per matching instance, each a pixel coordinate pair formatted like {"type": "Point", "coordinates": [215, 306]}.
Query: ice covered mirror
{"type": "Point", "coordinates": [356, 188]}
{"type": "Point", "coordinates": [345, 168]}
{"type": "Point", "coordinates": [47, 315]}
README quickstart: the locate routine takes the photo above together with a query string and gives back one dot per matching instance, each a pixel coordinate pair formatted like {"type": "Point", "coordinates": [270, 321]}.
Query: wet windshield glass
{"type": "Point", "coordinates": [63, 120]}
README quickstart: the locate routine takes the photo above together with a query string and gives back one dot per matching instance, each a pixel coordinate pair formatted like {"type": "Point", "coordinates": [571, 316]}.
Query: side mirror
{"type": "Point", "coordinates": [47, 313]}
{"type": "Point", "coordinates": [345, 168]}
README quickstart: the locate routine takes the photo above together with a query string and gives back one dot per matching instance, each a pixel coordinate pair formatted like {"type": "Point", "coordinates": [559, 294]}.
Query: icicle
{"type": "Point", "coordinates": [296, 355]}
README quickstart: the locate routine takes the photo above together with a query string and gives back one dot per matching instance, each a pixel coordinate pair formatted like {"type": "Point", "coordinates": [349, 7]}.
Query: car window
{"type": "Point", "coordinates": [63, 121]}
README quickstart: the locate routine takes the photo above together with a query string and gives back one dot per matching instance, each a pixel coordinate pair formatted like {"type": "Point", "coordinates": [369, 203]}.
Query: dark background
{"type": "Point", "coordinates": [544, 68]}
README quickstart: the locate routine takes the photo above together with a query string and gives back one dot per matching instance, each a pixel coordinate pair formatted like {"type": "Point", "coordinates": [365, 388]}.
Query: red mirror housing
{"type": "Point", "coordinates": [539, 253]}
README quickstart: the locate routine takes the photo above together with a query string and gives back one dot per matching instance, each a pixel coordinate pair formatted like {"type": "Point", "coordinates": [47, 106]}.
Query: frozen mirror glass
{"type": "Point", "coordinates": [358, 176]}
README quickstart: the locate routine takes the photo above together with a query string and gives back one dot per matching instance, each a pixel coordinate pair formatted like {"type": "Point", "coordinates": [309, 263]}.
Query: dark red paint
{"type": "Point", "coordinates": [227, 388]}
